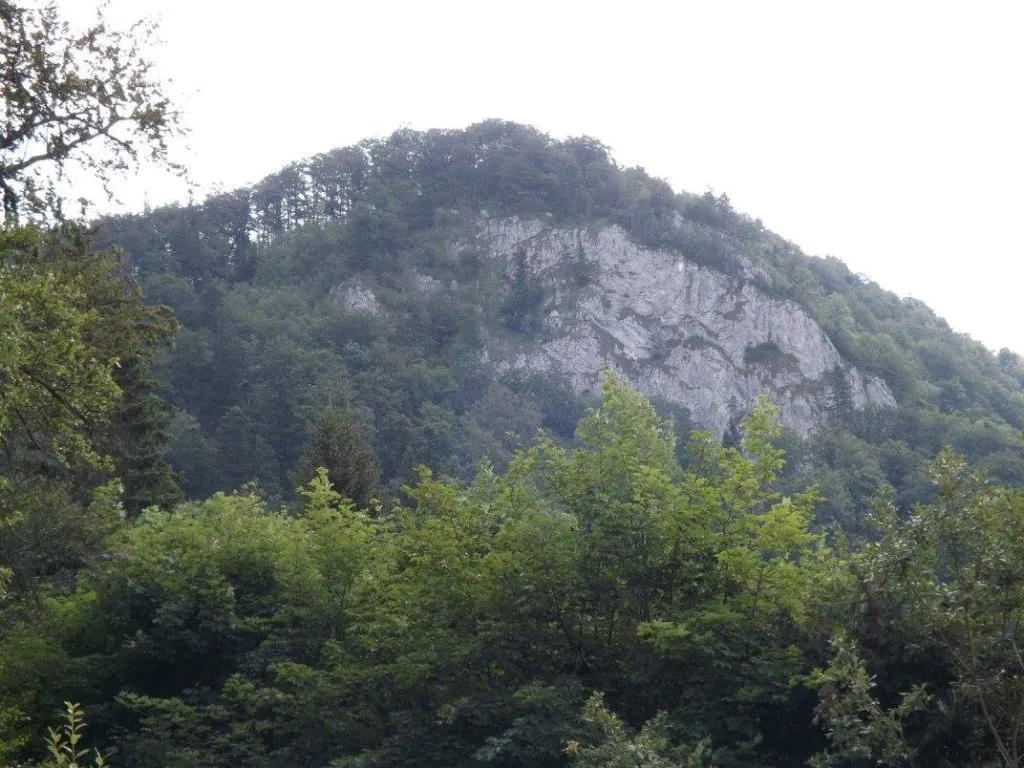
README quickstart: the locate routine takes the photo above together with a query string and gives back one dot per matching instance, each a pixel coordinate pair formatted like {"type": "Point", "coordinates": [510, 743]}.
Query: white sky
{"type": "Point", "coordinates": [888, 134]}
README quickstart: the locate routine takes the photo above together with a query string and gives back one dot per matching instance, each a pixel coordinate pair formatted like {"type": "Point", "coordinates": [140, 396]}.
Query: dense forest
{"type": "Point", "coordinates": [247, 521]}
{"type": "Point", "coordinates": [267, 348]}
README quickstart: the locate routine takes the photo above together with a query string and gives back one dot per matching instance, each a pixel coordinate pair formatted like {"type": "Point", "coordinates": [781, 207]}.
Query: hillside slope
{"type": "Point", "coordinates": [455, 290]}
{"type": "Point", "coordinates": [676, 330]}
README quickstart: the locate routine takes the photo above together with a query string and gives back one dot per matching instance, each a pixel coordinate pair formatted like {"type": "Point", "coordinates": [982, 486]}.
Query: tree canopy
{"type": "Point", "coordinates": [335, 281]}
{"type": "Point", "coordinates": [72, 97]}
{"type": "Point", "coordinates": [594, 605]}
{"type": "Point", "coordinates": [476, 568]}
{"type": "Point", "coordinates": [80, 429]}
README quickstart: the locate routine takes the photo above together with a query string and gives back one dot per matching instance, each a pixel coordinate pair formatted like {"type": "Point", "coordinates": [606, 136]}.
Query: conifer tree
{"type": "Point", "coordinates": [337, 444]}
{"type": "Point", "coordinates": [140, 431]}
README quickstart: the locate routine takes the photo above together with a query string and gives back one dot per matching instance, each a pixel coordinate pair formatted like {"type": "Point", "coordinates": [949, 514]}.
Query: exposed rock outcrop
{"type": "Point", "coordinates": [673, 328]}
{"type": "Point", "coordinates": [354, 296]}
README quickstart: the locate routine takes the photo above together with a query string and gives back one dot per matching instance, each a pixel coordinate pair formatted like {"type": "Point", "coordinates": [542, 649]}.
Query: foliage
{"type": "Point", "coordinates": [614, 748]}
{"type": "Point", "coordinates": [465, 626]}
{"type": "Point", "coordinates": [63, 742]}
{"type": "Point", "coordinates": [337, 444]}
{"type": "Point", "coordinates": [75, 405]}
{"type": "Point", "coordinates": [83, 98]}
{"type": "Point", "coordinates": [859, 728]}
{"type": "Point", "coordinates": [74, 400]}
{"type": "Point", "coordinates": [139, 438]}
{"type": "Point", "coordinates": [951, 390]}
{"type": "Point", "coordinates": [195, 602]}
{"type": "Point", "coordinates": [55, 385]}
{"type": "Point", "coordinates": [331, 331]}
{"type": "Point", "coordinates": [261, 278]}
{"type": "Point", "coordinates": [944, 583]}
{"type": "Point", "coordinates": [74, 330]}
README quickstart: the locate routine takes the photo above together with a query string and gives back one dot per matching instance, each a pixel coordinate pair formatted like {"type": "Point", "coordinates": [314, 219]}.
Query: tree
{"type": "Point", "coordinates": [73, 98]}
{"type": "Point", "coordinates": [467, 627]}
{"type": "Point", "coordinates": [62, 742]}
{"type": "Point", "coordinates": [69, 318]}
{"type": "Point", "coordinates": [337, 444]}
{"type": "Point", "coordinates": [52, 385]}
{"type": "Point", "coordinates": [858, 727]}
{"type": "Point", "coordinates": [71, 328]}
{"type": "Point", "coordinates": [140, 437]}
{"type": "Point", "coordinates": [210, 625]}
{"type": "Point", "coordinates": [943, 590]}
{"type": "Point", "coordinates": [611, 746]}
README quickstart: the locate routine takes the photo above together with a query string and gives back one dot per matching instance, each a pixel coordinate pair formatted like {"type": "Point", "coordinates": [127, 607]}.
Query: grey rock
{"type": "Point", "coordinates": [354, 296]}
{"type": "Point", "coordinates": [673, 328]}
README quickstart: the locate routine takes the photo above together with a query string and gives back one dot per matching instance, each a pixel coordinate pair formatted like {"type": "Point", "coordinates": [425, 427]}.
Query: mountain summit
{"type": "Point", "coordinates": [455, 290]}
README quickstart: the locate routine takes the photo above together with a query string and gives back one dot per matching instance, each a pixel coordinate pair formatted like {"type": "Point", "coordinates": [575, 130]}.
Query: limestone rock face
{"type": "Point", "coordinates": [673, 328]}
{"type": "Point", "coordinates": [354, 296]}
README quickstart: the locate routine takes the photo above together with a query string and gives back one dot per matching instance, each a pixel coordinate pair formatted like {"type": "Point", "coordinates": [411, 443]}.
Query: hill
{"type": "Point", "coordinates": [613, 595]}
{"type": "Point", "coordinates": [452, 291]}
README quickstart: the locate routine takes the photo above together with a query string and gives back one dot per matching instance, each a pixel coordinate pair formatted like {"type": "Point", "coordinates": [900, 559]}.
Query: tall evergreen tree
{"type": "Point", "coordinates": [140, 433]}
{"type": "Point", "coordinates": [337, 443]}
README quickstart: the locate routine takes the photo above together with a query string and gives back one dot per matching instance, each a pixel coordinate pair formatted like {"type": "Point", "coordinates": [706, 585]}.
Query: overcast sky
{"type": "Point", "coordinates": [888, 134]}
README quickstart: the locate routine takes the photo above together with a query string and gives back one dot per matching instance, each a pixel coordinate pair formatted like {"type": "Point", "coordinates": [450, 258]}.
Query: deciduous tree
{"type": "Point", "coordinates": [85, 98]}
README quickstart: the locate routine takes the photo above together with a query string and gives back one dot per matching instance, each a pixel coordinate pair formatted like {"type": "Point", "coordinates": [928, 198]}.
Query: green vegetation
{"type": "Point", "coordinates": [334, 283]}
{"type": "Point", "coordinates": [471, 625]}
{"type": "Point", "coordinates": [73, 99]}
{"type": "Point", "coordinates": [476, 569]}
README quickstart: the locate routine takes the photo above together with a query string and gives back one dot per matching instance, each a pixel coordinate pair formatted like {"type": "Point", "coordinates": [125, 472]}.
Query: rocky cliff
{"type": "Point", "coordinates": [370, 278]}
{"type": "Point", "coordinates": [674, 329]}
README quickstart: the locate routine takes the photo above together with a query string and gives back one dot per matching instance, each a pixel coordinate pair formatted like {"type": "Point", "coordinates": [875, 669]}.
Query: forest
{"type": "Point", "coordinates": [244, 524]}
